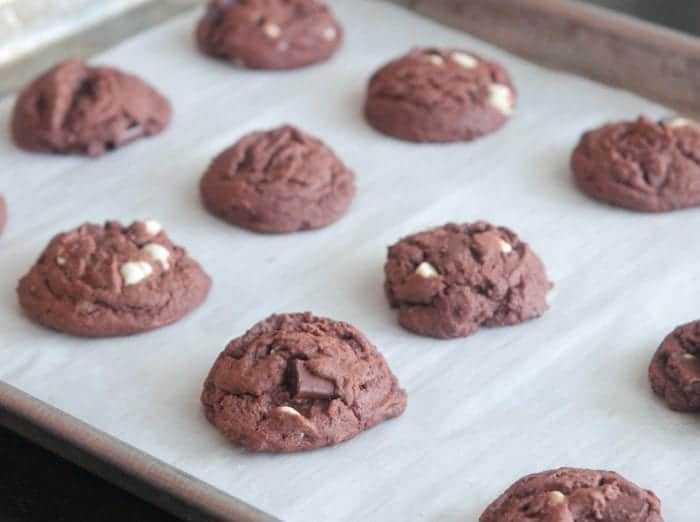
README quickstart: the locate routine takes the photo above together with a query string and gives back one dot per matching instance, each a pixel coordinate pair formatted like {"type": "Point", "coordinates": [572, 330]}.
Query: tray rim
{"type": "Point", "coordinates": [120, 463]}
{"type": "Point", "coordinates": [164, 485]}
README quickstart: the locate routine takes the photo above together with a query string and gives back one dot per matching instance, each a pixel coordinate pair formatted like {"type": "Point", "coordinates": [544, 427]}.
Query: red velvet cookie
{"type": "Point", "coordinates": [100, 281]}
{"type": "Point", "coordinates": [574, 495]}
{"type": "Point", "coordinates": [674, 371]}
{"type": "Point", "coordinates": [448, 281]}
{"type": "Point", "coordinates": [77, 109]}
{"type": "Point", "coordinates": [439, 95]}
{"type": "Point", "coordinates": [282, 180]}
{"type": "Point", "coordinates": [269, 34]}
{"type": "Point", "coordinates": [297, 382]}
{"type": "Point", "coordinates": [641, 165]}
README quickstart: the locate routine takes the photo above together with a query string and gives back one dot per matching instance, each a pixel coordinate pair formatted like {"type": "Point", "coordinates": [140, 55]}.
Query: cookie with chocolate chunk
{"type": "Point", "coordinates": [674, 371]}
{"type": "Point", "coordinates": [641, 165]}
{"type": "Point", "coordinates": [439, 95]}
{"type": "Point", "coordinates": [297, 382]}
{"type": "Point", "coordinates": [269, 34]}
{"type": "Point", "coordinates": [78, 109]}
{"type": "Point", "coordinates": [281, 180]}
{"type": "Point", "coordinates": [571, 495]}
{"type": "Point", "coordinates": [448, 281]}
{"type": "Point", "coordinates": [100, 281]}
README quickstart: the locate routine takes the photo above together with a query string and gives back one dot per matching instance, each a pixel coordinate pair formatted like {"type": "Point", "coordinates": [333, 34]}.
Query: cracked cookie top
{"type": "Point", "coordinates": [112, 280]}
{"type": "Point", "coordinates": [296, 382]}
{"type": "Point", "coordinates": [574, 495]}
{"type": "Point", "coordinates": [77, 109]}
{"type": "Point", "coordinates": [641, 165]}
{"type": "Point", "coordinates": [449, 280]}
{"type": "Point", "coordinates": [269, 34]}
{"type": "Point", "coordinates": [674, 371]}
{"type": "Point", "coordinates": [282, 180]}
{"type": "Point", "coordinates": [439, 95]}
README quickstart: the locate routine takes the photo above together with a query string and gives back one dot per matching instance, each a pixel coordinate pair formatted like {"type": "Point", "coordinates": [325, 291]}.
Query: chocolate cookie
{"type": "Point", "coordinates": [3, 213]}
{"type": "Point", "coordinates": [101, 281]}
{"type": "Point", "coordinates": [439, 95]}
{"type": "Point", "coordinates": [675, 368]}
{"type": "Point", "coordinates": [269, 34]}
{"type": "Point", "coordinates": [77, 109]}
{"type": "Point", "coordinates": [297, 382]}
{"type": "Point", "coordinates": [641, 165]}
{"type": "Point", "coordinates": [282, 180]}
{"type": "Point", "coordinates": [449, 280]}
{"type": "Point", "coordinates": [574, 495]}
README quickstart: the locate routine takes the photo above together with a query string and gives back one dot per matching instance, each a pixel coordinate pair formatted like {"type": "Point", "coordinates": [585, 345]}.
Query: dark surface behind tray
{"type": "Point", "coordinates": [38, 486]}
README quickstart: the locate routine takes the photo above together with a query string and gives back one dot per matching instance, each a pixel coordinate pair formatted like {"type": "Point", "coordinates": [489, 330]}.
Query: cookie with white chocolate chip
{"type": "Point", "coordinates": [448, 281]}
{"type": "Point", "coordinates": [644, 165]}
{"type": "Point", "coordinates": [439, 95]}
{"type": "Point", "coordinates": [100, 281]}
{"type": "Point", "coordinates": [674, 371]}
{"type": "Point", "coordinates": [269, 34]}
{"type": "Point", "coordinates": [571, 495]}
{"type": "Point", "coordinates": [298, 382]}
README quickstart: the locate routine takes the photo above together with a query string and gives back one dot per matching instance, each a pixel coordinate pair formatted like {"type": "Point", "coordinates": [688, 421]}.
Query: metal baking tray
{"type": "Point", "coordinates": [656, 62]}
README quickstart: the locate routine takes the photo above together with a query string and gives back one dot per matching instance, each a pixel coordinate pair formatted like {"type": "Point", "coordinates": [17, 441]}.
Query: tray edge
{"type": "Point", "coordinates": [119, 463]}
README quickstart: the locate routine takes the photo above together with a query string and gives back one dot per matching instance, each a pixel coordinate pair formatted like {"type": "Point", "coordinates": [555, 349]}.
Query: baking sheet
{"type": "Point", "coordinates": [567, 389]}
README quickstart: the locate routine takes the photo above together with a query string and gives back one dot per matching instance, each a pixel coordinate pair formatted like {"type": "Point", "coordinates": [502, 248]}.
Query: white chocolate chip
{"type": "Point", "coordinates": [426, 270]}
{"type": "Point", "coordinates": [135, 271]}
{"type": "Point", "coordinates": [60, 261]}
{"type": "Point", "coordinates": [465, 60]}
{"type": "Point", "coordinates": [556, 498]}
{"type": "Point", "coordinates": [329, 33]}
{"type": "Point", "coordinates": [689, 356]}
{"type": "Point", "coordinates": [288, 410]}
{"type": "Point", "coordinates": [152, 227]}
{"type": "Point", "coordinates": [676, 123]}
{"type": "Point", "coordinates": [436, 59]}
{"type": "Point", "coordinates": [158, 253]}
{"type": "Point", "coordinates": [501, 98]}
{"type": "Point", "coordinates": [272, 30]}
{"type": "Point", "coordinates": [506, 247]}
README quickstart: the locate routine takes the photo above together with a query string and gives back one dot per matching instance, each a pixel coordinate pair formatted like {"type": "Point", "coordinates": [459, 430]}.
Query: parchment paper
{"type": "Point", "coordinates": [569, 388]}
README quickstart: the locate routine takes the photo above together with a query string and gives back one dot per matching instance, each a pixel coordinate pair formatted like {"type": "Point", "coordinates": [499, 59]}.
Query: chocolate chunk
{"type": "Point", "coordinates": [306, 385]}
